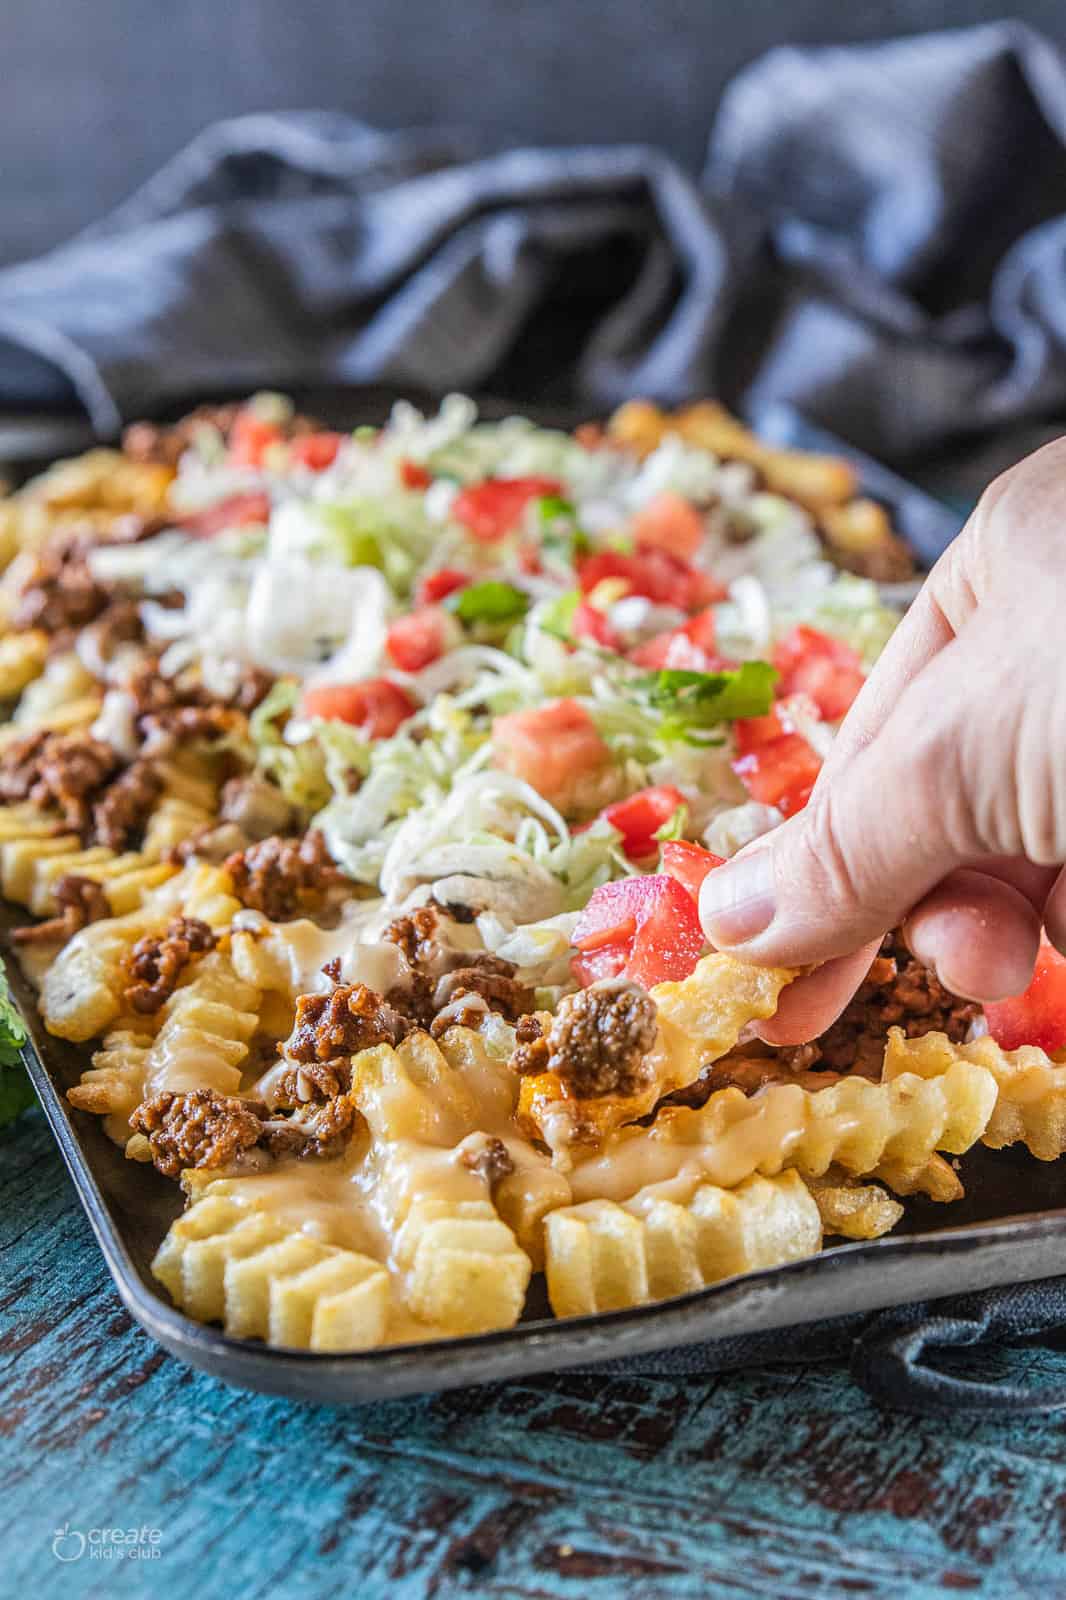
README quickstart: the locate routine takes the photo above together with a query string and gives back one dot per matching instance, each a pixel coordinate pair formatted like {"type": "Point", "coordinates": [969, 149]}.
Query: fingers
{"type": "Point", "coordinates": [978, 934]}
{"type": "Point", "coordinates": [1055, 913]}
{"type": "Point", "coordinates": [872, 842]}
{"type": "Point", "coordinates": [808, 1006]}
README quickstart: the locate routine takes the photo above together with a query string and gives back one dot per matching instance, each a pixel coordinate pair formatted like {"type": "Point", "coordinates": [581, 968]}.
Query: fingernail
{"type": "Point", "coordinates": [737, 901]}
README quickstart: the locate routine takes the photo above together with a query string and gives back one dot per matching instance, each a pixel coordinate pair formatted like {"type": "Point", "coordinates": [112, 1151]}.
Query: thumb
{"type": "Point", "coordinates": [874, 839]}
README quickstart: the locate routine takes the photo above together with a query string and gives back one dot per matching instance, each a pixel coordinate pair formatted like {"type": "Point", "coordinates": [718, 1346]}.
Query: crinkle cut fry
{"type": "Point", "coordinates": [700, 1018]}
{"type": "Point", "coordinates": [603, 1256]}
{"type": "Point", "coordinates": [457, 1263]}
{"type": "Point", "coordinates": [851, 1208]}
{"type": "Point", "coordinates": [1030, 1104]}
{"type": "Point", "coordinates": [226, 1261]}
{"type": "Point", "coordinates": [862, 1127]}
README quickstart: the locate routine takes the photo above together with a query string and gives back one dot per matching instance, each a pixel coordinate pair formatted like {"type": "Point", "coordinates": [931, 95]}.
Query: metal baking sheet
{"type": "Point", "coordinates": [1010, 1228]}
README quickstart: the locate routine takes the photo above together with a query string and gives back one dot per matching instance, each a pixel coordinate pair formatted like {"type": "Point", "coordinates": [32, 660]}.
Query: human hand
{"type": "Point", "coordinates": [942, 805]}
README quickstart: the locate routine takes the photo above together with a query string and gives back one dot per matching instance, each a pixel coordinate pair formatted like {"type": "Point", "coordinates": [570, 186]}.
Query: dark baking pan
{"type": "Point", "coordinates": [1007, 1230]}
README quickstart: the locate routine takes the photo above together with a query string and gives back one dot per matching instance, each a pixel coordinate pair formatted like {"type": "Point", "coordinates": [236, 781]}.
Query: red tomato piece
{"type": "Point", "coordinates": [375, 705]}
{"type": "Point", "coordinates": [780, 772]}
{"type": "Point", "coordinates": [435, 585]}
{"type": "Point", "coordinates": [589, 623]}
{"type": "Point", "coordinates": [554, 747]}
{"type": "Point", "coordinates": [671, 523]}
{"type": "Point", "coordinates": [816, 664]}
{"type": "Point", "coordinates": [317, 451]}
{"type": "Point", "coordinates": [690, 647]}
{"type": "Point", "coordinates": [491, 510]}
{"type": "Point", "coordinates": [414, 476]}
{"type": "Point", "coordinates": [688, 863]}
{"type": "Point", "coordinates": [645, 929]}
{"type": "Point", "coordinates": [656, 574]}
{"type": "Point", "coordinates": [639, 817]}
{"type": "Point", "coordinates": [238, 511]}
{"type": "Point", "coordinates": [415, 640]}
{"type": "Point", "coordinates": [1038, 1016]}
{"type": "Point", "coordinates": [250, 438]}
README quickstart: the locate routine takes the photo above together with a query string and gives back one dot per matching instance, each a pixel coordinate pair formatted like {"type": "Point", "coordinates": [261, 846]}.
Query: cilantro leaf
{"type": "Point", "coordinates": [490, 601]}
{"type": "Point", "coordinates": [693, 702]}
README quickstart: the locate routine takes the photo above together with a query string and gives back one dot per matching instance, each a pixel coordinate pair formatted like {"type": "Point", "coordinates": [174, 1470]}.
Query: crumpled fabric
{"type": "Point", "coordinates": [878, 237]}
{"type": "Point", "coordinates": [897, 1356]}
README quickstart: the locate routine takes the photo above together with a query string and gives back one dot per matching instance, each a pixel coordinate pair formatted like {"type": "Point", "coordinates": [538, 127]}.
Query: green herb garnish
{"type": "Point", "coordinates": [490, 601]}
{"type": "Point", "coordinates": [691, 703]}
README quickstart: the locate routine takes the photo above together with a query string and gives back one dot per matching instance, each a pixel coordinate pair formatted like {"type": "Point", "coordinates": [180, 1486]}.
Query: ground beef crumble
{"type": "Point", "coordinates": [348, 1019]}
{"type": "Point", "coordinates": [487, 1156]}
{"type": "Point", "coordinates": [80, 901]}
{"type": "Point", "coordinates": [491, 978]}
{"type": "Point", "coordinates": [156, 962]}
{"type": "Point", "coordinates": [66, 770]}
{"type": "Point", "coordinates": [283, 878]}
{"type": "Point", "coordinates": [199, 1128]}
{"type": "Point", "coordinates": [120, 815]}
{"type": "Point", "coordinates": [596, 1042]}
{"type": "Point", "coordinates": [60, 594]}
{"type": "Point", "coordinates": [898, 992]}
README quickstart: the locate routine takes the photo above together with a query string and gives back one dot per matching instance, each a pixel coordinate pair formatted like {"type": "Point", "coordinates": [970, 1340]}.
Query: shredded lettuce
{"type": "Point", "coordinates": [298, 769]}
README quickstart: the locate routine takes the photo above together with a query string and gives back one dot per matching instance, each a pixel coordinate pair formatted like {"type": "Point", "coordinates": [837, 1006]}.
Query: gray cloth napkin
{"type": "Point", "coordinates": [878, 237]}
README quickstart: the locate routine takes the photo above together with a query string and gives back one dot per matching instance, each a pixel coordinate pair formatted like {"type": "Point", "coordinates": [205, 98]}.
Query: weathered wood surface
{"type": "Point", "coordinates": [775, 1483]}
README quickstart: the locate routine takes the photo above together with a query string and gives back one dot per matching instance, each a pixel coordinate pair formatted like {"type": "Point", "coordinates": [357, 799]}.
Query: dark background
{"type": "Point", "coordinates": [96, 94]}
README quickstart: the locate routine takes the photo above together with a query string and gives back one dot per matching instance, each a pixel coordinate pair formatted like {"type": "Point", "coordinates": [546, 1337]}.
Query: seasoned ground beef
{"type": "Point", "coordinates": [157, 962]}
{"type": "Point", "coordinates": [531, 1052]}
{"type": "Point", "coordinates": [60, 594]}
{"type": "Point", "coordinates": [348, 1019]}
{"type": "Point", "coordinates": [486, 1155]}
{"type": "Point", "coordinates": [491, 978]}
{"type": "Point", "coordinates": [311, 1081]}
{"type": "Point", "coordinates": [898, 992]}
{"type": "Point", "coordinates": [597, 1041]}
{"type": "Point", "coordinates": [66, 770]}
{"type": "Point", "coordinates": [284, 878]}
{"type": "Point", "coordinates": [199, 1128]}
{"type": "Point", "coordinates": [80, 901]}
{"type": "Point", "coordinates": [415, 935]}
{"type": "Point", "coordinates": [119, 816]}
{"type": "Point", "coordinates": [319, 1131]}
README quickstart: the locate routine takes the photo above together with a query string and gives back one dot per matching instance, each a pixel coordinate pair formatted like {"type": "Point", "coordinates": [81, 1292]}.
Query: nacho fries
{"type": "Point", "coordinates": [361, 787]}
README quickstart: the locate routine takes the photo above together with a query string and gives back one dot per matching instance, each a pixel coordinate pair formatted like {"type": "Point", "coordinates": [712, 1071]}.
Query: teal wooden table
{"type": "Point", "coordinates": [776, 1482]}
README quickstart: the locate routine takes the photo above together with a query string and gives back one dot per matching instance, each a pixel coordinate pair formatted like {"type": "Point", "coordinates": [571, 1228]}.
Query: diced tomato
{"type": "Point", "coordinates": [414, 476]}
{"type": "Point", "coordinates": [688, 863]}
{"type": "Point", "coordinates": [239, 511]}
{"type": "Point", "coordinates": [420, 637]}
{"type": "Point", "coordinates": [671, 523]}
{"type": "Point", "coordinates": [815, 664]}
{"type": "Point", "coordinates": [554, 747]}
{"type": "Point", "coordinates": [590, 623]}
{"type": "Point", "coordinates": [639, 818]}
{"type": "Point", "coordinates": [1039, 1015]}
{"type": "Point", "coordinates": [436, 585]}
{"type": "Point", "coordinates": [645, 929]}
{"type": "Point", "coordinates": [690, 647]}
{"type": "Point", "coordinates": [491, 510]}
{"type": "Point", "coordinates": [250, 438]}
{"type": "Point", "coordinates": [656, 574]}
{"type": "Point", "coordinates": [317, 451]}
{"type": "Point", "coordinates": [779, 772]}
{"type": "Point", "coordinates": [375, 705]}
